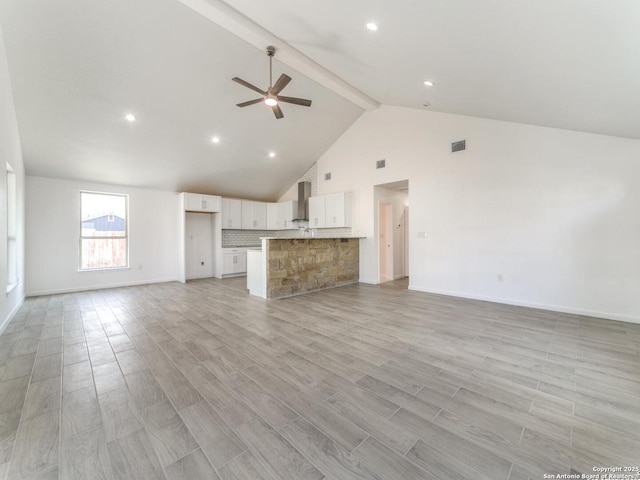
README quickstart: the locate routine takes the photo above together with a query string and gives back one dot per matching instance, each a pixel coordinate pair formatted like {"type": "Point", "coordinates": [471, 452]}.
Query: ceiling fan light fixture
{"type": "Point", "coordinates": [271, 100]}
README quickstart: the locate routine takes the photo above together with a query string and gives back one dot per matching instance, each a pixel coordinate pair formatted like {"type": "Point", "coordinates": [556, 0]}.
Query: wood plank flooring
{"type": "Point", "coordinates": [203, 381]}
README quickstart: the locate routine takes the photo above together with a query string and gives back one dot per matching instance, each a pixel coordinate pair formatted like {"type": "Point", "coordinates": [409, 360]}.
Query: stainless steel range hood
{"type": "Point", "coordinates": [304, 192]}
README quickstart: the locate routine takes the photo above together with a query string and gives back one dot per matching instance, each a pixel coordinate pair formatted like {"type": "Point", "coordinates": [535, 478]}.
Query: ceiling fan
{"type": "Point", "coordinates": [270, 97]}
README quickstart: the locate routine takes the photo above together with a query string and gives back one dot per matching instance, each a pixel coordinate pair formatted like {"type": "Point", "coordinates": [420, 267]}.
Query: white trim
{"type": "Point", "coordinates": [11, 287]}
{"type": "Point", "coordinates": [102, 269]}
{"type": "Point", "coordinates": [99, 287]}
{"type": "Point", "coordinates": [369, 281]}
{"type": "Point", "coordinates": [542, 306]}
{"type": "Point", "coordinates": [12, 314]}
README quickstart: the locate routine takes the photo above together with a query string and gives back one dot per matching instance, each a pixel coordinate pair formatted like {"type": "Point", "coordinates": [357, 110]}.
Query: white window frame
{"type": "Point", "coordinates": [12, 229]}
{"type": "Point", "coordinates": [94, 237]}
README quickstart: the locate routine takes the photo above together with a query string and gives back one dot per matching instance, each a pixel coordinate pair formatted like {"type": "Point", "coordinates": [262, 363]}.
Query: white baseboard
{"type": "Point", "coordinates": [12, 314]}
{"type": "Point", "coordinates": [369, 281]}
{"type": "Point", "coordinates": [541, 306]}
{"type": "Point", "coordinates": [98, 287]}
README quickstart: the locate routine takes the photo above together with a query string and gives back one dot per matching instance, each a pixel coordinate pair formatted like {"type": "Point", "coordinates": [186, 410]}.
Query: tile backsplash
{"type": "Point", "coordinates": [251, 238]}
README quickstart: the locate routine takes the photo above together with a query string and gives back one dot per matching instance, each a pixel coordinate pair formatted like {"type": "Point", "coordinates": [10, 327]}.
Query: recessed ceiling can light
{"type": "Point", "coordinates": [372, 26]}
{"type": "Point", "coordinates": [272, 154]}
{"type": "Point", "coordinates": [215, 139]}
{"type": "Point", "coordinates": [429, 83]}
{"type": "Point", "coordinates": [130, 117]}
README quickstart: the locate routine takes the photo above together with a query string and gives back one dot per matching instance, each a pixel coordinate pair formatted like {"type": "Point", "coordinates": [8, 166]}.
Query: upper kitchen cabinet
{"type": "Point", "coordinates": [338, 210]}
{"type": "Point", "coordinates": [231, 214]}
{"type": "Point", "coordinates": [272, 216]}
{"type": "Point", "coordinates": [317, 209]}
{"type": "Point", "coordinates": [286, 214]}
{"type": "Point", "coordinates": [254, 215]}
{"type": "Point", "coordinates": [330, 211]}
{"type": "Point", "coordinates": [196, 202]}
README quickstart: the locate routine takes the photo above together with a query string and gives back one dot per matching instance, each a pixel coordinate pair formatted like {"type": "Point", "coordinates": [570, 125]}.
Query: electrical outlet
{"type": "Point", "coordinates": [500, 279]}
{"type": "Point", "coordinates": [422, 234]}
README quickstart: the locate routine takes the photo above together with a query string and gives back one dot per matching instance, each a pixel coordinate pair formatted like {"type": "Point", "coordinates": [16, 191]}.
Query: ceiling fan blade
{"type": "Point", "coordinates": [248, 85]}
{"type": "Point", "coordinates": [282, 82]}
{"type": "Point", "coordinates": [296, 101]}
{"type": "Point", "coordinates": [277, 111]}
{"type": "Point", "coordinates": [250, 102]}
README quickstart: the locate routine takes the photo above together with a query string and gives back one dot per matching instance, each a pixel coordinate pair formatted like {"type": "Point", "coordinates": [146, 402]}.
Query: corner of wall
{"type": "Point", "coordinates": [311, 175]}
{"type": "Point", "coordinates": [10, 153]}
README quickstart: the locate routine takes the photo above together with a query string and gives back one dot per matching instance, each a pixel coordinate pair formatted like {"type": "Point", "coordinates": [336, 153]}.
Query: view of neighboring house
{"type": "Point", "coordinates": [103, 226]}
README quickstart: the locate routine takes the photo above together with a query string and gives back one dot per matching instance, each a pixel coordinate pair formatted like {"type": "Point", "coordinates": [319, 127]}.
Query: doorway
{"type": "Point", "coordinates": [198, 245]}
{"type": "Point", "coordinates": [391, 228]}
{"type": "Point", "coordinates": [385, 241]}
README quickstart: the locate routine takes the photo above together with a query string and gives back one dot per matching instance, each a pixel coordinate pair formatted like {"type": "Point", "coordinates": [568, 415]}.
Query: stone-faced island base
{"type": "Point", "coordinates": [301, 265]}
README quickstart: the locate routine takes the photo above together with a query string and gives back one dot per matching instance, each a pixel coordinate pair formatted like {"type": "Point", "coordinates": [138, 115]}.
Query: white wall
{"type": "Point", "coordinates": [53, 229]}
{"type": "Point", "coordinates": [11, 153]}
{"type": "Point", "coordinates": [555, 212]}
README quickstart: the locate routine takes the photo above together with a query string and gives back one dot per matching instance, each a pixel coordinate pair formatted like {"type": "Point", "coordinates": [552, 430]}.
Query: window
{"type": "Point", "coordinates": [12, 242]}
{"type": "Point", "coordinates": [103, 231]}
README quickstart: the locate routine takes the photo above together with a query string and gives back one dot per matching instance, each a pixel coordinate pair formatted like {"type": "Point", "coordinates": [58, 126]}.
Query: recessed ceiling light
{"type": "Point", "coordinates": [272, 154]}
{"type": "Point", "coordinates": [429, 83]}
{"type": "Point", "coordinates": [215, 139]}
{"type": "Point", "coordinates": [372, 26]}
{"type": "Point", "coordinates": [130, 117]}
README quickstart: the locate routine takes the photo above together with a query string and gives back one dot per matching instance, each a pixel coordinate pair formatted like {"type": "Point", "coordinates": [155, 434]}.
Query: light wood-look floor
{"type": "Point", "coordinates": [202, 381]}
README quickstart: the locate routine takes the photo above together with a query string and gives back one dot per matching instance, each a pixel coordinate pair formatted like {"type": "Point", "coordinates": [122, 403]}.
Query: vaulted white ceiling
{"type": "Point", "coordinates": [78, 66]}
{"type": "Point", "coordinates": [571, 64]}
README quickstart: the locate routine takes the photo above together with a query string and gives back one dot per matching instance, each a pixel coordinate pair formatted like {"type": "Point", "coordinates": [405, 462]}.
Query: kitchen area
{"type": "Point", "coordinates": [284, 248]}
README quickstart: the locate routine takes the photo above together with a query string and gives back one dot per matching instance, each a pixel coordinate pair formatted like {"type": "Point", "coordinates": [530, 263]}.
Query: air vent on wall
{"type": "Point", "coordinates": [458, 146]}
{"type": "Point", "coordinates": [327, 176]}
{"type": "Point", "coordinates": [380, 163]}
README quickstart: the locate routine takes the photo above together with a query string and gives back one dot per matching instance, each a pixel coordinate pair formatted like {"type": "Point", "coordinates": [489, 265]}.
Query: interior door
{"type": "Point", "coordinates": [198, 245]}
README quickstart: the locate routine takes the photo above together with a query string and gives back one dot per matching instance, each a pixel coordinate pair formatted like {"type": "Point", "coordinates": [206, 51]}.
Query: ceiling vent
{"type": "Point", "coordinates": [458, 146]}
{"type": "Point", "coordinates": [381, 163]}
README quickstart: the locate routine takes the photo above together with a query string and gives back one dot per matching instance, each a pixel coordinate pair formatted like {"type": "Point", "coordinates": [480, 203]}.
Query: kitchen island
{"type": "Point", "coordinates": [293, 266]}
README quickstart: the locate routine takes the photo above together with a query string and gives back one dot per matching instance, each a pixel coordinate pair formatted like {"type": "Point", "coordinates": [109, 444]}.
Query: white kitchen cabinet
{"type": "Point", "coordinates": [286, 214]}
{"type": "Point", "coordinates": [273, 220]}
{"type": "Point", "coordinates": [254, 215]}
{"type": "Point", "coordinates": [196, 202]}
{"type": "Point", "coordinates": [231, 214]}
{"type": "Point", "coordinates": [338, 210]}
{"type": "Point", "coordinates": [317, 209]}
{"type": "Point", "coordinates": [234, 261]}
{"type": "Point", "coordinates": [330, 211]}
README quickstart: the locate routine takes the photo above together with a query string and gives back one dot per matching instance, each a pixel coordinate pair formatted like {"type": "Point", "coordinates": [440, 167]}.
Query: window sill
{"type": "Point", "coordinates": [107, 269]}
{"type": "Point", "coordinates": [11, 287]}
